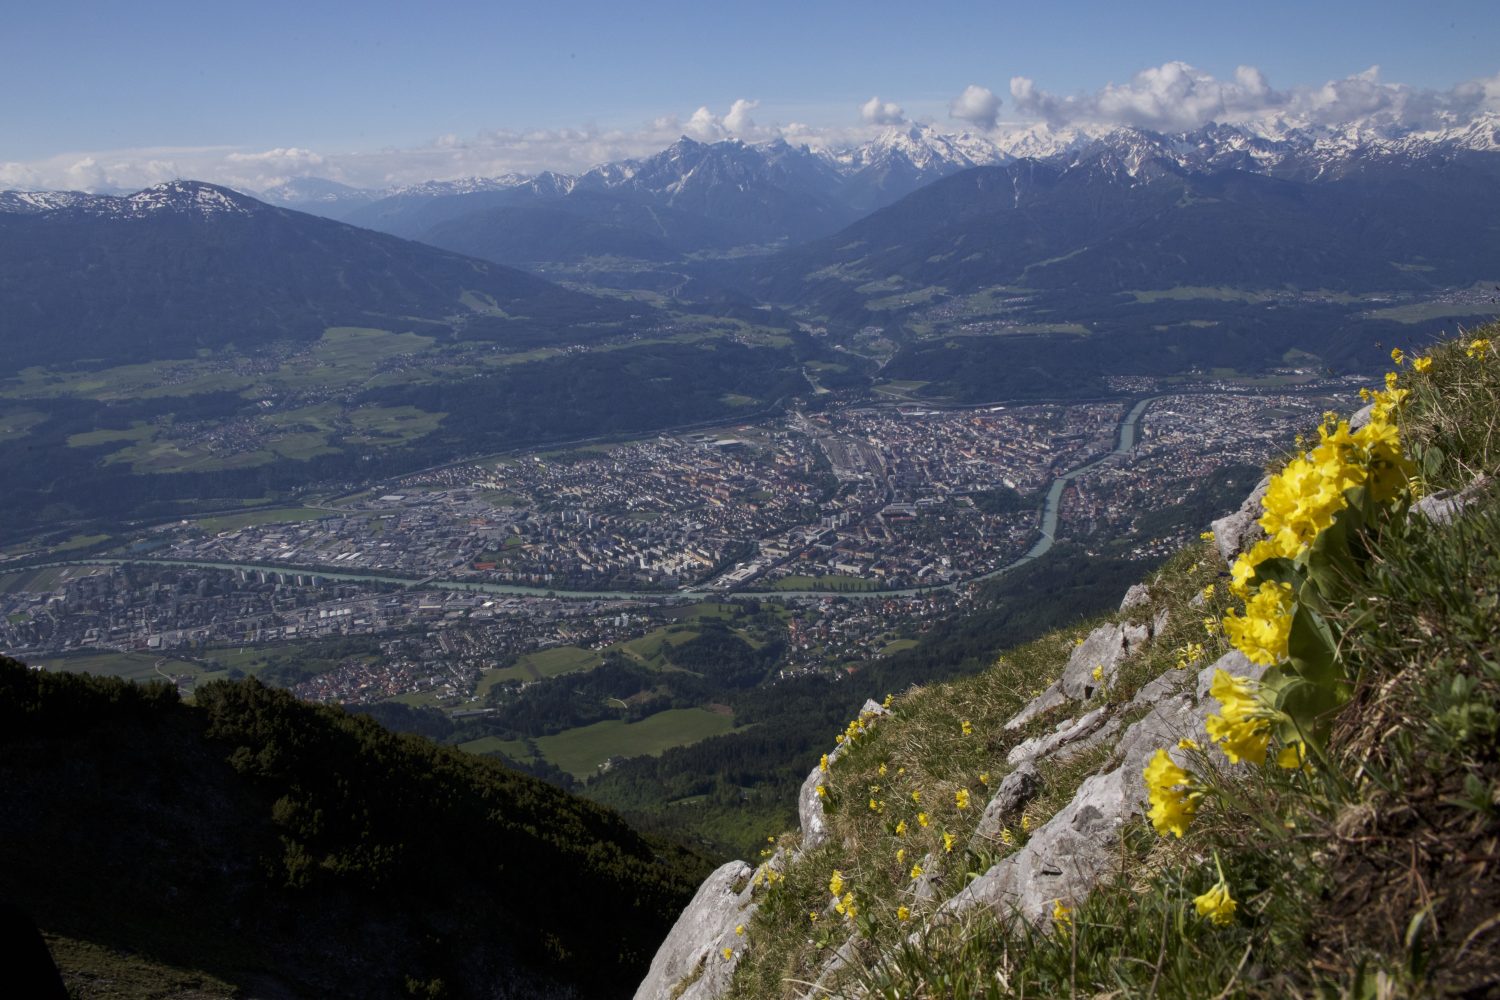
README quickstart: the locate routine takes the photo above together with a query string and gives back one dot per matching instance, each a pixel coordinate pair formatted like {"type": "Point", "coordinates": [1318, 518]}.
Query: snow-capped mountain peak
{"type": "Point", "coordinates": [184, 198]}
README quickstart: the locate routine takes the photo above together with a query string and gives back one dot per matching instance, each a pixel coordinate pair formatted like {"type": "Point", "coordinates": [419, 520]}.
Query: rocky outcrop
{"type": "Point", "coordinates": [690, 963]}
{"type": "Point", "coordinates": [810, 814]}
{"type": "Point", "coordinates": [1445, 505]}
{"type": "Point", "coordinates": [1234, 533]}
{"type": "Point", "coordinates": [1069, 854]}
{"type": "Point", "coordinates": [1018, 788]}
{"type": "Point", "coordinates": [1101, 654]}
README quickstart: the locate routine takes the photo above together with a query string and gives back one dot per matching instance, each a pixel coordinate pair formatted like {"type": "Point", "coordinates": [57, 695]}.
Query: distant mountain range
{"type": "Point", "coordinates": [694, 197]}
{"type": "Point", "coordinates": [1140, 212]}
{"type": "Point", "coordinates": [186, 265]}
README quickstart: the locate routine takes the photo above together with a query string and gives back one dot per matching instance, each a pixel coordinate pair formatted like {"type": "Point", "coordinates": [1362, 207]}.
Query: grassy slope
{"type": "Point", "coordinates": [1375, 874]}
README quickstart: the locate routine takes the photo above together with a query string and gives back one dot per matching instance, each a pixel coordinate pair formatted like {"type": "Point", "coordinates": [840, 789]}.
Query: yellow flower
{"type": "Point", "coordinates": [1397, 357]}
{"type": "Point", "coordinates": [984, 778]}
{"type": "Point", "coordinates": [1390, 380]}
{"type": "Point", "coordinates": [1293, 756]}
{"type": "Point", "coordinates": [839, 738]}
{"type": "Point", "coordinates": [967, 728]}
{"type": "Point", "coordinates": [922, 820]}
{"type": "Point", "coordinates": [846, 906]}
{"type": "Point", "coordinates": [1025, 823]}
{"type": "Point", "coordinates": [739, 929]}
{"type": "Point", "coordinates": [1078, 641]}
{"type": "Point", "coordinates": [903, 914]}
{"type": "Point", "coordinates": [876, 806]}
{"type": "Point", "coordinates": [1187, 744]}
{"type": "Point", "coordinates": [822, 792]}
{"type": "Point", "coordinates": [812, 915]}
{"type": "Point", "coordinates": [771, 839]}
{"type": "Point", "coordinates": [900, 855]}
{"type": "Point", "coordinates": [961, 798]}
{"type": "Point", "coordinates": [1208, 592]}
{"type": "Point", "coordinates": [1477, 347]}
{"type": "Point", "coordinates": [1243, 726]}
{"type": "Point", "coordinates": [1098, 674]}
{"type": "Point", "coordinates": [836, 882]}
{"type": "Point", "coordinates": [823, 764]}
{"type": "Point", "coordinates": [901, 828]}
{"type": "Point", "coordinates": [1421, 364]}
{"type": "Point", "coordinates": [1173, 795]}
{"type": "Point", "coordinates": [1006, 837]}
{"type": "Point", "coordinates": [887, 703]}
{"type": "Point", "coordinates": [1206, 536]}
{"type": "Point", "coordinates": [916, 795]}
{"type": "Point", "coordinates": [728, 953]}
{"type": "Point", "coordinates": [1062, 915]}
{"type": "Point", "coordinates": [916, 871]}
{"type": "Point", "coordinates": [1216, 904]}
{"type": "Point", "coordinates": [1261, 633]}
{"type": "Point", "coordinates": [882, 769]}
{"type": "Point", "coordinates": [948, 842]}
{"type": "Point", "coordinates": [1364, 394]}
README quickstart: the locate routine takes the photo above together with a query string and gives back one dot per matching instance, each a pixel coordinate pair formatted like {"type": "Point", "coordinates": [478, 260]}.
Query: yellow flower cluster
{"type": "Point", "coordinates": [1173, 794]}
{"type": "Point", "coordinates": [1062, 915]}
{"type": "Point", "coordinates": [1243, 727]}
{"type": "Point", "coordinates": [1478, 347]}
{"type": "Point", "coordinates": [1216, 904]}
{"type": "Point", "coordinates": [1189, 654]}
{"type": "Point", "coordinates": [1304, 497]}
{"type": "Point", "coordinates": [1261, 633]}
{"type": "Point", "coordinates": [961, 798]}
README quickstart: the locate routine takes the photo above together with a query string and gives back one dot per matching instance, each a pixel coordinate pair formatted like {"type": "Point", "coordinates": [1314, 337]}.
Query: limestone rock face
{"type": "Point", "coordinates": [694, 948]}
{"type": "Point", "coordinates": [1234, 533]}
{"type": "Point", "coordinates": [1104, 649]}
{"type": "Point", "coordinates": [810, 814]}
{"type": "Point", "coordinates": [1069, 854]}
{"type": "Point", "coordinates": [1018, 788]}
{"type": "Point", "coordinates": [1137, 596]}
{"type": "Point", "coordinates": [1444, 506]}
{"type": "Point", "coordinates": [1070, 731]}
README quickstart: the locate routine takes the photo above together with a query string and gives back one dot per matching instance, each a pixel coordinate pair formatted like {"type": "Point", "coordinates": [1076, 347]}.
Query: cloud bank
{"type": "Point", "coordinates": [1177, 95]}
{"type": "Point", "coordinates": [1169, 97]}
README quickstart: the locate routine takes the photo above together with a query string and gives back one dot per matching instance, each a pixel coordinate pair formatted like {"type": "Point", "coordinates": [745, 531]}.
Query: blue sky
{"type": "Point", "coordinates": [342, 78]}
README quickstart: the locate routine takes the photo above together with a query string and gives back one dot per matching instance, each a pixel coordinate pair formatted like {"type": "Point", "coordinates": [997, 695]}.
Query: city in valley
{"type": "Point", "coordinates": [836, 536]}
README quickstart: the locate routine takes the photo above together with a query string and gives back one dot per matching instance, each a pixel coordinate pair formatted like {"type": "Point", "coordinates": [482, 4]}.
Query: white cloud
{"type": "Point", "coordinates": [977, 105]}
{"type": "Point", "coordinates": [1172, 96]}
{"type": "Point", "coordinates": [738, 120]}
{"type": "Point", "coordinates": [1177, 95]}
{"type": "Point", "coordinates": [878, 112]}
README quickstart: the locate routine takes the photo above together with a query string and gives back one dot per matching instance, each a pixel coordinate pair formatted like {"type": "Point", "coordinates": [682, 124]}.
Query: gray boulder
{"type": "Point", "coordinates": [1018, 788]}
{"type": "Point", "coordinates": [693, 953]}
{"type": "Point", "coordinates": [1234, 533]}
{"type": "Point", "coordinates": [1445, 505]}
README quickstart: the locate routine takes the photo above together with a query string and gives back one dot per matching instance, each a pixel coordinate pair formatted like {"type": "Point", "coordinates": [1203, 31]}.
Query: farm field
{"type": "Point", "coordinates": [580, 751]}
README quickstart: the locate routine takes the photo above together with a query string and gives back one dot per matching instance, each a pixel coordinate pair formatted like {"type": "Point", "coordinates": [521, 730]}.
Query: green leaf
{"type": "Point", "coordinates": [1312, 648]}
